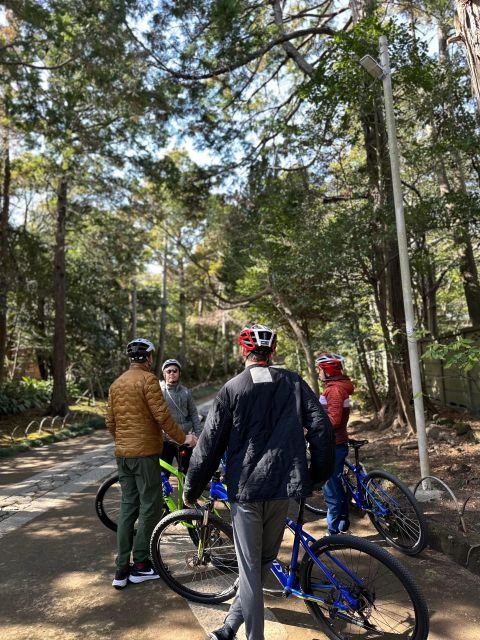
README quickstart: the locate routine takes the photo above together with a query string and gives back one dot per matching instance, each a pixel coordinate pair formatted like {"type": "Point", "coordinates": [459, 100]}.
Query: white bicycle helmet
{"type": "Point", "coordinates": [138, 349]}
{"type": "Point", "coordinates": [170, 361]}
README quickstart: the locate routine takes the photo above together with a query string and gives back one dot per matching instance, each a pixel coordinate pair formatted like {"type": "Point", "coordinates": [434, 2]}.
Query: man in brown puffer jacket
{"type": "Point", "coordinates": [136, 416]}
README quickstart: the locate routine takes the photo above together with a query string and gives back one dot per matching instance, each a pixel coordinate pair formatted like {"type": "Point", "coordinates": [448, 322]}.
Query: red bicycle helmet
{"type": "Point", "coordinates": [330, 363]}
{"type": "Point", "coordinates": [257, 337]}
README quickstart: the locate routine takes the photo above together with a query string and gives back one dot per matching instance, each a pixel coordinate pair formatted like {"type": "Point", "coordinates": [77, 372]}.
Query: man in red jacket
{"type": "Point", "coordinates": [335, 400]}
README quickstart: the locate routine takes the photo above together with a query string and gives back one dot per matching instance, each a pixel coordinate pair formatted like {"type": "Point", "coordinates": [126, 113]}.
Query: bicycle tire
{"type": "Point", "coordinates": [405, 526]}
{"type": "Point", "coordinates": [389, 603]}
{"type": "Point", "coordinates": [107, 502]}
{"type": "Point", "coordinates": [210, 579]}
{"type": "Point", "coordinates": [316, 504]}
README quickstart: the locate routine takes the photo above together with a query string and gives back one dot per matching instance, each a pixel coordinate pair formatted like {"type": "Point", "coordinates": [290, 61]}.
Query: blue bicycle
{"type": "Point", "coordinates": [389, 503]}
{"type": "Point", "coordinates": [351, 587]}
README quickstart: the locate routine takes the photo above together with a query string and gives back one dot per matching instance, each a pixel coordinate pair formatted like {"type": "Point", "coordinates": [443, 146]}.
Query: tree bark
{"type": "Point", "coordinates": [163, 313]}
{"type": "Point", "coordinates": [462, 235]}
{"type": "Point", "coordinates": [133, 310]}
{"type": "Point", "coordinates": [303, 341]}
{"type": "Point", "coordinates": [182, 307]}
{"type": "Point", "coordinates": [4, 248]}
{"type": "Point", "coordinates": [43, 354]}
{"type": "Point", "coordinates": [59, 403]}
{"type": "Point", "coordinates": [367, 371]}
{"type": "Point", "coordinates": [467, 25]}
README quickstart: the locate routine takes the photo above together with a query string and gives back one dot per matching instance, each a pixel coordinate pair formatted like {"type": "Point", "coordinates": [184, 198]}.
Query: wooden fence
{"type": "Point", "coordinates": [452, 387]}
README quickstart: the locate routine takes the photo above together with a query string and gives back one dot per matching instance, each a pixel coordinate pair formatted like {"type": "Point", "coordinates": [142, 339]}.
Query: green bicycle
{"type": "Point", "coordinates": [107, 500]}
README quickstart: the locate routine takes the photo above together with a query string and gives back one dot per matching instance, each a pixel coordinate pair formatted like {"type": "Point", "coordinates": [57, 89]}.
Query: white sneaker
{"type": "Point", "coordinates": [142, 571]}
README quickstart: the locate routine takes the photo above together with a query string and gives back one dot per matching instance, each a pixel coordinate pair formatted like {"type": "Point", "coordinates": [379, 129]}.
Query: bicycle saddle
{"type": "Point", "coordinates": [356, 444]}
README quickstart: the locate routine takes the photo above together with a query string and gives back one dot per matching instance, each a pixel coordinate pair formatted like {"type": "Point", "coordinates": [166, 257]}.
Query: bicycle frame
{"type": "Point", "coordinates": [168, 489]}
{"type": "Point", "coordinates": [217, 490]}
{"type": "Point", "coordinates": [289, 580]}
{"type": "Point", "coordinates": [359, 492]}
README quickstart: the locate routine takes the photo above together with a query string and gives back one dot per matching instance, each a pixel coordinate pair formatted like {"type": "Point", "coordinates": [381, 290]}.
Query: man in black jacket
{"type": "Point", "coordinates": [260, 417]}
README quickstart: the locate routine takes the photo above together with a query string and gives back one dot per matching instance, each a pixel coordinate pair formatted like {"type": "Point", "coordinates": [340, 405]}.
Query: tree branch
{"type": "Point", "coordinates": [286, 37]}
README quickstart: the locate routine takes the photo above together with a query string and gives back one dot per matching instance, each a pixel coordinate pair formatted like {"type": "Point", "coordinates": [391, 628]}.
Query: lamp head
{"type": "Point", "coordinates": [372, 67]}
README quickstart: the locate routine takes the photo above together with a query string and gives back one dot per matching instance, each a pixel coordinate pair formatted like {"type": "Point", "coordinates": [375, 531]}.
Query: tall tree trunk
{"type": "Point", "coordinates": [43, 355]}
{"type": "Point", "coordinates": [387, 260]}
{"type": "Point", "coordinates": [362, 357]}
{"type": "Point", "coordinates": [182, 306]}
{"type": "Point", "coordinates": [469, 274]}
{"type": "Point", "coordinates": [428, 290]}
{"type": "Point", "coordinates": [133, 310]}
{"type": "Point", "coordinates": [302, 339]}
{"type": "Point", "coordinates": [462, 235]}
{"type": "Point", "coordinates": [225, 342]}
{"type": "Point", "coordinates": [163, 313]}
{"type": "Point", "coordinates": [467, 25]}
{"type": "Point", "coordinates": [4, 246]}
{"type": "Point", "coordinates": [59, 404]}
{"type": "Point", "coordinates": [198, 324]}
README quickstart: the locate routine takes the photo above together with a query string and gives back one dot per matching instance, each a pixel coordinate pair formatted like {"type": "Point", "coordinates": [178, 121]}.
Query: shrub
{"type": "Point", "coordinates": [28, 393]}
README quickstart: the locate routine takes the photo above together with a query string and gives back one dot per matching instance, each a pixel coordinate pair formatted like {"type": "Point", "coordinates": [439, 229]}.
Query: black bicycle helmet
{"type": "Point", "coordinates": [138, 349]}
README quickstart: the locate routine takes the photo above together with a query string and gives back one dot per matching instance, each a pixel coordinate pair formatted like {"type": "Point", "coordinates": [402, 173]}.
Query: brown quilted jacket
{"type": "Point", "coordinates": [137, 414]}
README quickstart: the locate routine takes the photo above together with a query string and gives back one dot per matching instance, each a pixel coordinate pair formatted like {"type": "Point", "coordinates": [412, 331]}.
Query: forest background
{"type": "Point", "coordinates": [175, 169]}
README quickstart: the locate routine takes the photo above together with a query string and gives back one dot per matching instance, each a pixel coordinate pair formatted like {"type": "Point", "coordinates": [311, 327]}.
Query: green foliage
{"type": "Point", "coordinates": [28, 393]}
{"type": "Point", "coordinates": [463, 353]}
{"type": "Point", "coordinates": [297, 198]}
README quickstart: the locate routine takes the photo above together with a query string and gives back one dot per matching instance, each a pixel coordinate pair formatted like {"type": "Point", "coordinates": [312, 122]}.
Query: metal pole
{"type": "Point", "coordinates": [404, 262]}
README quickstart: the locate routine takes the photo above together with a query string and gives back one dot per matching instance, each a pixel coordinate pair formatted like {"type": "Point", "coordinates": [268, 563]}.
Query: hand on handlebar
{"type": "Point", "coordinates": [190, 440]}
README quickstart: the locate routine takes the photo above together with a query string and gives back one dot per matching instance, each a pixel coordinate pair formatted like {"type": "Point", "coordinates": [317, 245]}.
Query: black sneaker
{"type": "Point", "coordinates": [224, 633]}
{"type": "Point", "coordinates": [142, 571]}
{"type": "Point", "coordinates": [121, 577]}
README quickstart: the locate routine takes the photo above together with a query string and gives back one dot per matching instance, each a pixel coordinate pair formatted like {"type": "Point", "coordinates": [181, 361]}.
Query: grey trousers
{"type": "Point", "coordinates": [258, 529]}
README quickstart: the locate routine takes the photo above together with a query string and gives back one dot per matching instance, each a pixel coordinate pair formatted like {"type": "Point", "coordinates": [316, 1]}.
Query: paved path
{"type": "Point", "coordinates": [56, 562]}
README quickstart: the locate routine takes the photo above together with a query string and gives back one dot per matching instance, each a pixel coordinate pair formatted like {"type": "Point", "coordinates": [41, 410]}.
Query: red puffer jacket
{"type": "Point", "coordinates": [335, 400]}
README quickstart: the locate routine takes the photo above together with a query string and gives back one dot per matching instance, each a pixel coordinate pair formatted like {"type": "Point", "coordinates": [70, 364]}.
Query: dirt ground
{"type": "Point", "coordinates": [454, 457]}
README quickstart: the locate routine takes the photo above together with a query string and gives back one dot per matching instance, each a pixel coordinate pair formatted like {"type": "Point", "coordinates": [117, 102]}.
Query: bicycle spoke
{"type": "Point", "coordinates": [371, 597]}
{"type": "Point", "coordinates": [392, 513]}
{"type": "Point", "coordinates": [196, 560]}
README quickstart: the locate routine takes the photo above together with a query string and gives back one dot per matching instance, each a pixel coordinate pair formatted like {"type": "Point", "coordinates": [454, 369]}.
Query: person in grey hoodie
{"type": "Point", "coordinates": [184, 411]}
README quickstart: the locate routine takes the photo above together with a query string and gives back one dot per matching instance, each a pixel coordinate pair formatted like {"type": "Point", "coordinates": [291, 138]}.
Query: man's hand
{"type": "Point", "coordinates": [190, 440]}
{"type": "Point", "coordinates": [188, 503]}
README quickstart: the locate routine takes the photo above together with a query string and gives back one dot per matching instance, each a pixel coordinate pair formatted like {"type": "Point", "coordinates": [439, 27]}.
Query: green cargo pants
{"type": "Point", "coordinates": [142, 498]}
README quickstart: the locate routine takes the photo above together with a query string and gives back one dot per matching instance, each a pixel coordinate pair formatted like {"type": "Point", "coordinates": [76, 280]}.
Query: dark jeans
{"type": "Point", "coordinates": [181, 454]}
{"type": "Point", "coordinates": [335, 496]}
{"type": "Point", "coordinates": [142, 499]}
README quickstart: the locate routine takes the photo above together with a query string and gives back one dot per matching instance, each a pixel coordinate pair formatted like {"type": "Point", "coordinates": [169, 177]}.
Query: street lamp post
{"type": "Point", "coordinates": [382, 72]}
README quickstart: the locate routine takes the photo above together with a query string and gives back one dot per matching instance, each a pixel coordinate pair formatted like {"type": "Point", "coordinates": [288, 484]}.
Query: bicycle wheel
{"type": "Point", "coordinates": [203, 571]}
{"type": "Point", "coordinates": [403, 524]}
{"type": "Point", "coordinates": [107, 502]}
{"type": "Point", "coordinates": [316, 504]}
{"type": "Point", "coordinates": [388, 603]}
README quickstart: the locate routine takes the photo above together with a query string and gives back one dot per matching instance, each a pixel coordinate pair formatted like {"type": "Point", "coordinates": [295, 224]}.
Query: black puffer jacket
{"type": "Point", "coordinates": [260, 416]}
